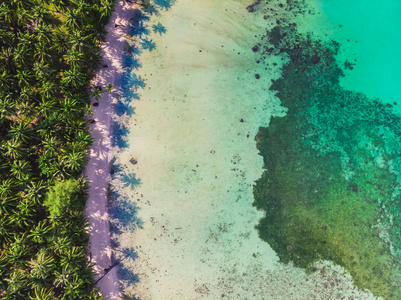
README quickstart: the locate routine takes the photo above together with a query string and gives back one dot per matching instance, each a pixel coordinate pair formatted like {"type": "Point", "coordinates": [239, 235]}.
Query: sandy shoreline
{"type": "Point", "coordinates": [97, 169]}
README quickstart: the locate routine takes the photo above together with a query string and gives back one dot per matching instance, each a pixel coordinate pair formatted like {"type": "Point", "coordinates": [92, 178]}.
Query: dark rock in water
{"type": "Point", "coordinates": [255, 48]}
{"type": "Point", "coordinates": [133, 161]}
{"type": "Point", "coordinates": [257, 76]}
{"type": "Point", "coordinates": [260, 132]}
{"type": "Point", "coordinates": [242, 120]}
{"type": "Point", "coordinates": [96, 104]}
{"type": "Point", "coordinates": [251, 8]}
{"type": "Point", "coordinates": [315, 59]}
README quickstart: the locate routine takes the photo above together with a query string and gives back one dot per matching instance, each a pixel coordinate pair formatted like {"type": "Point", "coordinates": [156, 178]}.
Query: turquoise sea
{"type": "Point", "coordinates": [258, 151]}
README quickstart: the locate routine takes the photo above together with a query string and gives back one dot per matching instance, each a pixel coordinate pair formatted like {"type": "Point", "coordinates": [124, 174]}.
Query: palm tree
{"type": "Point", "coordinates": [42, 70]}
{"type": "Point", "coordinates": [43, 294]}
{"type": "Point", "coordinates": [6, 187]}
{"type": "Point", "coordinates": [61, 244]}
{"type": "Point", "coordinates": [70, 108]}
{"type": "Point", "coordinates": [38, 233]}
{"type": "Point", "coordinates": [24, 77]}
{"type": "Point", "coordinates": [41, 266]}
{"type": "Point", "coordinates": [7, 205]}
{"type": "Point", "coordinates": [106, 7]}
{"type": "Point", "coordinates": [7, 107]}
{"type": "Point", "coordinates": [20, 220]}
{"type": "Point", "coordinates": [44, 34]}
{"type": "Point", "coordinates": [21, 169]}
{"type": "Point", "coordinates": [21, 55]}
{"type": "Point", "coordinates": [109, 88]}
{"type": "Point", "coordinates": [26, 110]}
{"type": "Point", "coordinates": [13, 149]}
{"type": "Point", "coordinates": [41, 15]}
{"type": "Point", "coordinates": [73, 57]}
{"type": "Point", "coordinates": [27, 94]}
{"type": "Point", "coordinates": [73, 78]}
{"type": "Point", "coordinates": [6, 59]}
{"type": "Point", "coordinates": [75, 161]}
{"type": "Point", "coordinates": [79, 41]}
{"type": "Point", "coordinates": [21, 132]}
{"type": "Point", "coordinates": [47, 107]}
{"type": "Point", "coordinates": [42, 52]}
{"type": "Point", "coordinates": [16, 285]}
{"type": "Point", "coordinates": [97, 92]}
{"type": "Point", "coordinates": [83, 139]}
{"type": "Point", "coordinates": [35, 191]}
{"type": "Point", "coordinates": [48, 89]}
{"type": "Point", "coordinates": [73, 19]}
{"type": "Point", "coordinates": [6, 236]}
{"type": "Point", "coordinates": [5, 81]}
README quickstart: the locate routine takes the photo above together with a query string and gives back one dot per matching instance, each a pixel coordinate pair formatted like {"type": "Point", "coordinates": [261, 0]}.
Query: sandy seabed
{"type": "Point", "coordinates": [192, 134]}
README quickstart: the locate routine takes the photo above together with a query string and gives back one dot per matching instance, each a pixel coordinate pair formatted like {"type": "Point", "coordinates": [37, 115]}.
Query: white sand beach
{"type": "Point", "coordinates": [97, 169]}
{"type": "Point", "coordinates": [193, 136]}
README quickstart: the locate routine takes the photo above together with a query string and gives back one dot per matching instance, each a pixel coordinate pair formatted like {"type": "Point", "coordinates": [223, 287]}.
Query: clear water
{"type": "Point", "coordinates": [369, 34]}
{"type": "Point", "coordinates": [190, 108]}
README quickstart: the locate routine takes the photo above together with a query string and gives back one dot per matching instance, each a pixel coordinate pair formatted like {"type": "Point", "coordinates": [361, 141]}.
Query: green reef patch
{"type": "Point", "coordinates": [331, 188]}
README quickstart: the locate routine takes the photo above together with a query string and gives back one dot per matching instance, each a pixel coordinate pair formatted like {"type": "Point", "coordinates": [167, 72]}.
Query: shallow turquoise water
{"type": "Point", "coordinates": [192, 130]}
{"type": "Point", "coordinates": [331, 189]}
{"type": "Point", "coordinates": [373, 29]}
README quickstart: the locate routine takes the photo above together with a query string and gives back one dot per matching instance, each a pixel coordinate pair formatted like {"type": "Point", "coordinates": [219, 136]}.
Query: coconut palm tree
{"type": "Point", "coordinates": [41, 266]}
{"type": "Point", "coordinates": [73, 19]}
{"type": "Point", "coordinates": [47, 90]}
{"type": "Point", "coordinates": [42, 293]}
{"type": "Point", "coordinates": [7, 187]}
{"type": "Point", "coordinates": [24, 77]}
{"type": "Point", "coordinates": [97, 92]}
{"type": "Point", "coordinates": [42, 15]}
{"type": "Point", "coordinates": [21, 169]}
{"type": "Point", "coordinates": [7, 60]}
{"type": "Point", "coordinates": [75, 160]}
{"type": "Point", "coordinates": [80, 41]}
{"type": "Point", "coordinates": [21, 132]}
{"type": "Point", "coordinates": [106, 7]}
{"type": "Point", "coordinates": [7, 108]}
{"type": "Point", "coordinates": [13, 149]}
{"type": "Point", "coordinates": [39, 232]}
{"type": "Point", "coordinates": [73, 57]}
{"type": "Point", "coordinates": [42, 52]}
{"type": "Point", "coordinates": [21, 55]}
{"type": "Point", "coordinates": [73, 78]}
{"type": "Point", "coordinates": [43, 34]}
{"type": "Point", "coordinates": [5, 80]}
{"type": "Point", "coordinates": [16, 285]}
{"type": "Point", "coordinates": [35, 191]}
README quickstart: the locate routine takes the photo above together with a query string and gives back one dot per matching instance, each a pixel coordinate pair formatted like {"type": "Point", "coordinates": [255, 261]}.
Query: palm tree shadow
{"type": "Point", "coordinates": [120, 108]}
{"type": "Point", "coordinates": [159, 28]}
{"type": "Point", "coordinates": [119, 133]}
{"type": "Point", "coordinates": [164, 4]}
{"type": "Point", "coordinates": [130, 180]}
{"type": "Point", "coordinates": [148, 44]}
{"type": "Point", "coordinates": [137, 26]}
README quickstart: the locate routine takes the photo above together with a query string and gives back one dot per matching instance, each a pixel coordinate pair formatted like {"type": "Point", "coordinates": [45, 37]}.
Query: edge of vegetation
{"type": "Point", "coordinates": [49, 50]}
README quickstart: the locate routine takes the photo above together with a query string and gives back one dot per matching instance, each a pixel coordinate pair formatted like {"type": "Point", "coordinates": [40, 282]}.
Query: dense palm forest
{"type": "Point", "coordinates": [49, 50]}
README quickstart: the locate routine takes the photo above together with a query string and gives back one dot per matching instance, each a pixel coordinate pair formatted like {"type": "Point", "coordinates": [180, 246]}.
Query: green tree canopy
{"type": "Point", "coordinates": [61, 196]}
